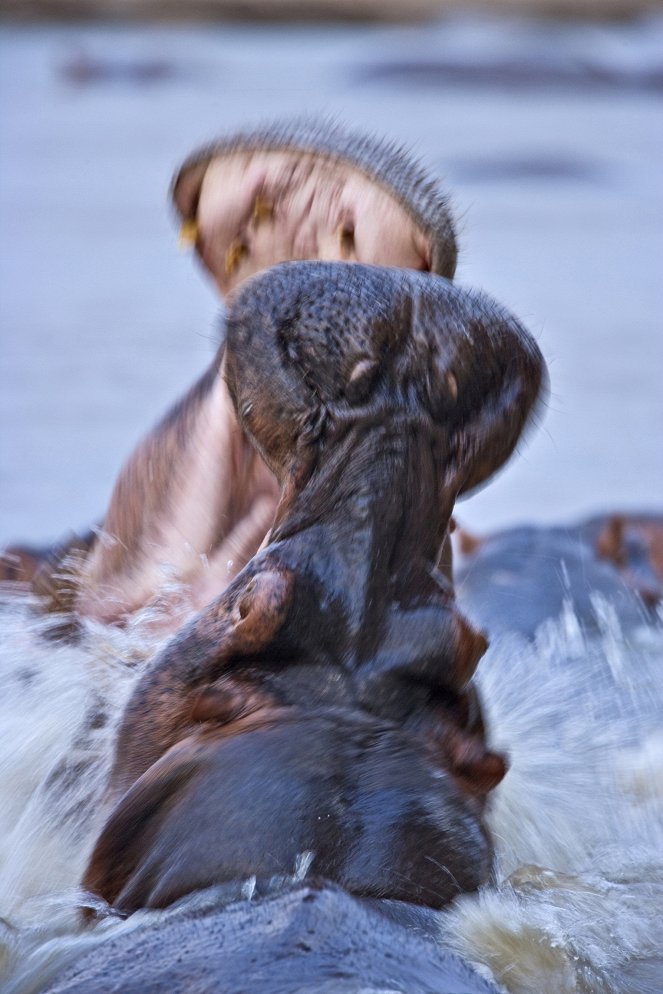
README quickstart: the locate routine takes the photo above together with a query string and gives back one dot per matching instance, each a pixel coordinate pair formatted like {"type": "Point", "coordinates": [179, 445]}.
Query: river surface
{"type": "Point", "coordinates": [555, 173]}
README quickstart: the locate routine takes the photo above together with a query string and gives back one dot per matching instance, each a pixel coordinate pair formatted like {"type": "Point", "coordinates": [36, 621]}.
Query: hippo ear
{"type": "Point", "coordinates": [468, 758]}
{"type": "Point", "coordinates": [261, 609]}
{"type": "Point", "coordinates": [470, 646]}
{"type": "Point", "coordinates": [468, 542]}
{"type": "Point", "coordinates": [478, 766]}
{"type": "Point", "coordinates": [610, 543]}
{"type": "Point", "coordinates": [228, 699]}
{"type": "Point", "coordinates": [221, 701]}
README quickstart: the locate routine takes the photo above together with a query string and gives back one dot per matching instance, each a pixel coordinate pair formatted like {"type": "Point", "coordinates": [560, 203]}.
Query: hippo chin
{"type": "Point", "coordinates": [324, 703]}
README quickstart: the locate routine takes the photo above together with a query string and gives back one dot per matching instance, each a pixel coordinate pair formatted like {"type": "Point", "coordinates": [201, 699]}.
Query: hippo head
{"type": "Point", "coordinates": [361, 802]}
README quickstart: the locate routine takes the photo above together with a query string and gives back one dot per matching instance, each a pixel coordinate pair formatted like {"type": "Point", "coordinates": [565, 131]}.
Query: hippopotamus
{"type": "Point", "coordinates": [306, 937]}
{"type": "Point", "coordinates": [317, 706]}
{"type": "Point", "coordinates": [516, 579]}
{"type": "Point", "coordinates": [195, 496]}
{"type": "Point", "coordinates": [324, 702]}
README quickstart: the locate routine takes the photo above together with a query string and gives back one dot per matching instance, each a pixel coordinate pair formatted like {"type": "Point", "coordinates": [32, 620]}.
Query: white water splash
{"type": "Point", "coordinates": [578, 821]}
{"type": "Point", "coordinates": [59, 704]}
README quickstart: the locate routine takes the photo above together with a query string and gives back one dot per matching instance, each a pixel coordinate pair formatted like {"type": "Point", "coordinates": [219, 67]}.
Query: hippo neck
{"type": "Point", "coordinates": [374, 498]}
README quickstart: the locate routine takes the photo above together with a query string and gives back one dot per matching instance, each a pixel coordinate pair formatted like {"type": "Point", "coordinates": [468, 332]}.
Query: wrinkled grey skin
{"type": "Point", "coordinates": [516, 579]}
{"type": "Point", "coordinates": [309, 940]}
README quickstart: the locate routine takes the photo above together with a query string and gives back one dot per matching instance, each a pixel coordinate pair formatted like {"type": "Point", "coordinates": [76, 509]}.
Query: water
{"type": "Point", "coordinates": [578, 820]}
{"type": "Point", "coordinates": [557, 190]}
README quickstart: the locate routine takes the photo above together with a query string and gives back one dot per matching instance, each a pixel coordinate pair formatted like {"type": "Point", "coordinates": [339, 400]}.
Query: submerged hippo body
{"type": "Point", "coordinates": [310, 939]}
{"type": "Point", "coordinates": [324, 702]}
{"type": "Point", "coordinates": [516, 579]}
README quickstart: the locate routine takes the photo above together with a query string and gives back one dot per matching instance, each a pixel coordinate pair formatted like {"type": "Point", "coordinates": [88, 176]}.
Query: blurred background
{"type": "Point", "coordinates": [544, 118]}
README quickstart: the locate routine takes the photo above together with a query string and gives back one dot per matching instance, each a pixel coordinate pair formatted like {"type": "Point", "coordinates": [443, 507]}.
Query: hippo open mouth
{"type": "Point", "coordinates": [309, 191]}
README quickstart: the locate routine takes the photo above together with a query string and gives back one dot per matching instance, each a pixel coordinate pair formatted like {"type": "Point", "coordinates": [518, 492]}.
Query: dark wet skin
{"type": "Point", "coordinates": [324, 702]}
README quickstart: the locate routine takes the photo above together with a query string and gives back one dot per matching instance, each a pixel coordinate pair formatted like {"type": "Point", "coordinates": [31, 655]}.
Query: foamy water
{"type": "Point", "coordinates": [578, 821]}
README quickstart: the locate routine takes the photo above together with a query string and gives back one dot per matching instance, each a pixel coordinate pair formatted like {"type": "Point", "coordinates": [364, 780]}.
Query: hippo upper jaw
{"type": "Point", "coordinates": [305, 190]}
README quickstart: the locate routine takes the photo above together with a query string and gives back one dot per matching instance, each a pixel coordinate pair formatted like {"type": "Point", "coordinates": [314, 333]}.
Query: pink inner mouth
{"type": "Point", "coordinates": [255, 209]}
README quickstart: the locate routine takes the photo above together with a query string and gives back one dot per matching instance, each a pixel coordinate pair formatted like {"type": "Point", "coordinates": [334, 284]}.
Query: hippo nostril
{"type": "Point", "coordinates": [362, 368]}
{"type": "Point", "coordinates": [452, 384]}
